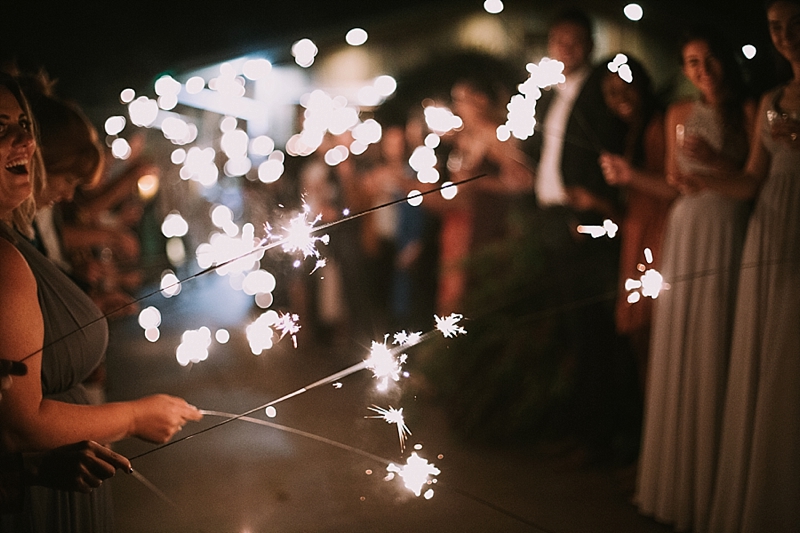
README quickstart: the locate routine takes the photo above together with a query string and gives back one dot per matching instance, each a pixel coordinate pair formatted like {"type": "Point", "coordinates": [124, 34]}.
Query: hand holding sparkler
{"type": "Point", "coordinates": [158, 417]}
{"type": "Point", "coordinates": [616, 170]}
{"type": "Point", "coordinates": [79, 467]}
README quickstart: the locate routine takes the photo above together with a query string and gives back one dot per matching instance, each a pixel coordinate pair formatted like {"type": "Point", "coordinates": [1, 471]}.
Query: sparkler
{"type": "Point", "coordinates": [649, 284]}
{"type": "Point", "coordinates": [608, 228]}
{"type": "Point", "coordinates": [393, 416]}
{"type": "Point", "coordinates": [416, 474]}
{"type": "Point", "coordinates": [385, 362]}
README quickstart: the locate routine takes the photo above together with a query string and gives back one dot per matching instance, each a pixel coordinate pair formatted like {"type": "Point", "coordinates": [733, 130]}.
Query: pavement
{"type": "Point", "coordinates": [322, 464]}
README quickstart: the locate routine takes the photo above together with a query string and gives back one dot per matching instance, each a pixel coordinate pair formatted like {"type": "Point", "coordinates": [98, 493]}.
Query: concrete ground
{"type": "Point", "coordinates": [242, 477]}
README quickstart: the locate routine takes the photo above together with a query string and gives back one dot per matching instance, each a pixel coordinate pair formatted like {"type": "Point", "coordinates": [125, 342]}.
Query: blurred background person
{"type": "Point", "coordinates": [639, 172]}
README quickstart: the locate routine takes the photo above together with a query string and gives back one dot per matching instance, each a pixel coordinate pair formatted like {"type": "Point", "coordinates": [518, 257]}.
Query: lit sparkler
{"type": "Point", "coordinates": [393, 416]}
{"type": "Point", "coordinates": [287, 325]}
{"type": "Point", "coordinates": [608, 228]}
{"type": "Point", "coordinates": [448, 325]}
{"type": "Point", "coordinates": [649, 284]}
{"type": "Point", "coordinates": [299, 234]}
{"type": "Point", "coordinates": [521, 121]}
{"type": "Point", "coordinates": [385, 364]}
{"type": "Point", "coordinates": [416, 474]}
{"type": "Point", "coordinates": [402, 338]}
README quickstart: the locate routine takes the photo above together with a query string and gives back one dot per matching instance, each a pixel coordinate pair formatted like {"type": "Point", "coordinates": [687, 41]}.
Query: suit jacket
{"type": "Point", "coordinates": [591, 129]}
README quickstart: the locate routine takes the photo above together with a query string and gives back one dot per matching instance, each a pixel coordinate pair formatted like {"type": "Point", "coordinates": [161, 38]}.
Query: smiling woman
{"type": "Point", "coordinates": [17, 147]}
{"type": "Point", "coordinates": [50, 324]}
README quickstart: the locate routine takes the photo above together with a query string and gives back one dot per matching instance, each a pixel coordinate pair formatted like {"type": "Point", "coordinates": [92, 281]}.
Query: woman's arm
{"type": "Point", "coordinates": [650, 179]}
{"type": "Point", "coordinates": [28, 421]}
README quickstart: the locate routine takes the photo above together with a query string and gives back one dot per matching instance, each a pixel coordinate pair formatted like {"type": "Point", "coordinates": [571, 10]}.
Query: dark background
{"type": "Point", "coordinates": [94, 51]}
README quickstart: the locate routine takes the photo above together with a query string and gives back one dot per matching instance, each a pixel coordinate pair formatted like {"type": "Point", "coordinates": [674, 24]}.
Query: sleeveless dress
{"type": "Point", "coordinates": [690, 344]}
{"type": "Point", "coordinates": [71, 352]}
{"type": "Point", "coordinates": [758, 482]}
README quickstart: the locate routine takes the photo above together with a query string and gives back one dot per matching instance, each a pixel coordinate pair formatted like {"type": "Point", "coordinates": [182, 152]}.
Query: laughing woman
{"type": "Point", "coordinates": [46, 321]}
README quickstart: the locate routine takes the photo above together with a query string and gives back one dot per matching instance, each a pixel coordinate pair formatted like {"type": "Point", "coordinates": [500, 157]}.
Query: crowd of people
{"type": "Point", "coordinates": [709, 184]}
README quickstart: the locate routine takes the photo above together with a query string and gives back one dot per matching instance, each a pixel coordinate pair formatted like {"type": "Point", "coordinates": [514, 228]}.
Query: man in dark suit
{"type": "Point", "coordinates": [573, 128]}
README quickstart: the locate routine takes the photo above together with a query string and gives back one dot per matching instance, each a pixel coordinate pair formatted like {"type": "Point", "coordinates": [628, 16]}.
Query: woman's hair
{"type": "Point", "coordinates": [643, 84]}
{"type": "Point", "coordinates": [21, 218]}
{"type": "Point", "coordinates": [735, 93]}
{"type": "Point", "coordinates": [67, 139]}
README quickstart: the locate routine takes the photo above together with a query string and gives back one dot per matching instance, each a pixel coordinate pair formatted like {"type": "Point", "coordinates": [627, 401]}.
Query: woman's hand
{"type": "Point", "coordinates": [158, 417]}
{"type": "Point", "coordinates": [80, 467]}
{"type": "Point", "coordinates": [616, 169]}
{"type": "Point", "coordinates": [697, 149]}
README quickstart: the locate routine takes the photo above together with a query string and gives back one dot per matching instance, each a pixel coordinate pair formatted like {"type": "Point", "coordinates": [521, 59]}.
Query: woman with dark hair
{"type": "Point", "coordinates": [691, 332]}
{"type": "Point", "coordinates": [758, 476]}
{"type": "Point", "coordinates": [639, 170]}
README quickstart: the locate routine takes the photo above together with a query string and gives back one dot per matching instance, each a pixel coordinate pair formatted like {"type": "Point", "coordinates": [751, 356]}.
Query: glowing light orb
{"type": "Point", "coordinates": [417, 473]}
{"type": "Point", "coordinates": [262, 145]}
{"type": "Point", "coordinates": [167, 85]}
{"type": "Point", "coordinates": [270, 171]}
{"type": "Point", "coordinates": [449, 191]}
{"type": "Point", "coordinates": [149, 317]}
{"type": "Point", "coordinates": [114, 125]}
{"type": "Point", "coordinates": [521, 118]}
{"type": "Point", "coordinates": [304, 52]}
{"type": "Point", "coordinates": [634, 12]}
{"type": "Point", "coordinates": [152, 334]}
{"type": "Point", "coordinates": [120, 149]}
{"type": "Point", "coordinates": [143, 111]}
{"type": "Point", "coordinates": [195, 84]}
{"type": "Point", "coordinates": [432, 140]}
{"type": "Point", "coordinates": [148, 186]}
{"type": "Point", "coordinates": [126, 96]}
{"type": "Point", "coordinates": [414, 198]}
{"type": "Point", "coordinates": [256, 69]}
{"type": "Point", "coordinates": [493, 6]}
{"type": "Point", "coordinates": [176, 251]}
{"type": "Point", "coordinates": [385, 85]}
{"type": "Point", "coordinates": [222, 336]}
{"type": "Point", "coordinates": [441, 120]}
{"type": "Point", "coordinates": [271, 412]}
{"type": "Point", "coordinates": [749, 51]}
{"type": "Point", "coordinates": [356, 37]}
{"type": "Point", "coordinates": [170, 284]}
{"type": "Point", "coordinates": [174, 225]}
{"type": "Point", "coordinates": [194, 346]}
{"type": "Point", "coordinates": [260, 333]}
{"type": "Point", "coordinates": [258, 281]}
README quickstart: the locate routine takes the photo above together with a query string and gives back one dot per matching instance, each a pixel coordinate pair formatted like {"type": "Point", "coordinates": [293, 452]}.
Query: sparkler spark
{"type": "Point", "coordinates": [402, 338]}
{"type": "Point", "coordinates": [299, 235]}
{"type": "Point", "coordinates": [416, 473]}
{"type": "Point", "coordinates": [449, 325]}
{"type": "Point", "coordinates": [287, 325]}
{"type": "Point", "coordinates": [649, 284]}
{"type": "Point", "coordinates": [608, 228]}
{"type": "Point", "coordinates": [384, 364]}
{"type": "Point", "coordinates": [393, 416]}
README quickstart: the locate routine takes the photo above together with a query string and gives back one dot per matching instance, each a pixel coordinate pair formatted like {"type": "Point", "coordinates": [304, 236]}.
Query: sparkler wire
{"type": "Point", "coordinates": [263, 247]}
{"type": "Point", "coordinates": [376, 458]}
{"type": "Point", "coordinates": [361, 365]}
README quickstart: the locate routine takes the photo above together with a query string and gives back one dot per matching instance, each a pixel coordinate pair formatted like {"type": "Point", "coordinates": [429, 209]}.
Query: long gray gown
{"type": "Point", "coordinates": [758, 480]}
{"type": "Point", "coordinates": [75, 340]}
{"type": "Point", "coordinates": [690, 344]}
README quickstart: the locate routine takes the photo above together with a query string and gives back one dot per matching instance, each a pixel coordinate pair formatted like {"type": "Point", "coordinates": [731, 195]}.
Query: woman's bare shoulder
{"type": "Point", "coordinates": [14, 270]}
